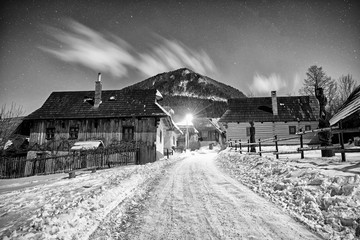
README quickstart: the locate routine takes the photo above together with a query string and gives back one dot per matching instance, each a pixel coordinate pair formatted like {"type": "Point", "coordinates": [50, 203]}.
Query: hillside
{"type": "Point", "coordinates": [187, 91]}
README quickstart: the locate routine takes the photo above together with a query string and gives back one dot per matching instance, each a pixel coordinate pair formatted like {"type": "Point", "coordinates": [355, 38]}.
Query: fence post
{"type": "Point", "coordinates": [240, 147]}
{"type": "Point", "coordinates": [167, 153]}
{"type": "Point", "coordinates": [276, 147]}
{"type": "Point", "coordinates": [235, 146]}
{"type": "Point", "coordinates": [248, 147]}
{"type": "Point", "coordinates": [301, 144]}
{"type": "Point", "coordinates": [341, 136]}
{"type": "Point", "coordinates": [73, 162]}
{"type": "Point", "coordinates": [260, 147]}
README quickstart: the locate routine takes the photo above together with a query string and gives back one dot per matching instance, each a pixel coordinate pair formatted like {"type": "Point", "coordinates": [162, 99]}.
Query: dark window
{"type": "Point", "coordinates": [266, 109]}
{"type": "Point", "coordinates": [292, 129]}
{"type": "Point", "coordinates": [247, 131]}
{"type": "Point", "coordinates": [128, 133]}
{"type": "Point", "coordinates": [307, 127]}
{"type": "Point", "coordinates": [73, 132]}
{"type": "Point", "coordinates": [160, 136]}
{"type": "Point", "coordinates": [40, 155]}
{"type": "Point", "coordinates": [50, 133]}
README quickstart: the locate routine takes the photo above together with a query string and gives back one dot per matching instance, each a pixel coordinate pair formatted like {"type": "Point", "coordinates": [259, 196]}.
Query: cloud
{"type": "Point", "coordinates": [297, 84]}
{"type": "Point", "coordinates": [82, 45]}
{"type": "Point", "coordinates": [262, 84]}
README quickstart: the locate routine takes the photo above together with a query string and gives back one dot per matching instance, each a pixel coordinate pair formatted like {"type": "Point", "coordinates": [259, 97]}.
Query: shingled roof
{"type": "Point", "coordinates": [259, 109]}
{"type": "Point", "coordinates": [115, 103]}
{"type": "Point", "coordinates": [349, 107]}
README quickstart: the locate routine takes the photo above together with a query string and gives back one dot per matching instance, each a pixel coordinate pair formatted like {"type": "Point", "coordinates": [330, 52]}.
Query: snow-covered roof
{"type": "Point", "coordinates": [350, 106]}
{"type": "Point", "coordinates": [87, 145]}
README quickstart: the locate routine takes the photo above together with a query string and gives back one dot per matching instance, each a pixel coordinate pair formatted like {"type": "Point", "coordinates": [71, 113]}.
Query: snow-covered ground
{"type": "Point", "coordinates": [323, 193]}
{"type": "Point", "coordinates": [56, 207]}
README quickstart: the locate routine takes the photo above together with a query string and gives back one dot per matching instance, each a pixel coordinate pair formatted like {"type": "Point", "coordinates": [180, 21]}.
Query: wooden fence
{"type": "Point", "coordinates": [100, 158]}
{"type": "Point", "coordinates": [338, 148]}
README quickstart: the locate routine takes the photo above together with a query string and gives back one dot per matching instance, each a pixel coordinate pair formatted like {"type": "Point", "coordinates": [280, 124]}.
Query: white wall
{"type": "Point", "coordinates": [160, 139]}
{"type": "Point", "coordinates": [269, 129]}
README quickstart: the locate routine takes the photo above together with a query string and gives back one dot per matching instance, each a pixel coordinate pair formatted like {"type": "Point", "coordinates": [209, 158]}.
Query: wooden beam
{"type": "Point", "coordinates": [289, 152]}
{"type": "Point", "coordinates": [318, 130]}
{"type": "Point", "coordinates": [319, 148]}
{"type": "Point", "coordinates": [349, 150]}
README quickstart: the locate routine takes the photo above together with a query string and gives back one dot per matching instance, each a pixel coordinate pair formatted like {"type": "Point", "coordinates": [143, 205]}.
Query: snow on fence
{"type": "Point", "coordinates": [89, 159]}
{"type": "Point", "coordinates": [237, 144]}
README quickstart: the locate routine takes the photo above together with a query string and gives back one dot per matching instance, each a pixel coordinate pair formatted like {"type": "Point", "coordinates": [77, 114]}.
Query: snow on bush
{"type": "Point", "coordinates": [329, 205]}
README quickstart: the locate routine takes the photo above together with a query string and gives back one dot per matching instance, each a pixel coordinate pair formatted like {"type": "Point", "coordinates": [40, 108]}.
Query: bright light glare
{"type": "Point", "coordinates": [188, 118]}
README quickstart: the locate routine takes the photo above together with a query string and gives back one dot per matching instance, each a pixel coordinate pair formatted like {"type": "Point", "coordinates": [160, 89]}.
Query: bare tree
{"type": "Point", "coordinates": [8, 117]}
{"type": "Point", "coordinates": [346, 86]}
{"type": "Point", "coordinates": [316, 78]}
{"type": "Point", "coordinates": [340, 92]}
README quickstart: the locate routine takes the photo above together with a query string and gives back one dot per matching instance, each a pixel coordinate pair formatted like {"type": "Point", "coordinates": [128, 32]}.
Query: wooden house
{"type": "Point", "coordinates": [281, 116]}
{"type": "Point", "coordinates": [348, 116]}
{"type": "Point", "coordinates": [210, 131]}
{"type": "Point", "coordinates": [190, 138]}
{"type": "Point", "coordinates": [111, 116]}
{"type": "Point", "coordinates": [13, 136]}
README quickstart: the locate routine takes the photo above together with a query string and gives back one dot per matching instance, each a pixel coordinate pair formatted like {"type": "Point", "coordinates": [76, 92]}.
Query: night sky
{"type": "Point", "coordinates": [255, 46]}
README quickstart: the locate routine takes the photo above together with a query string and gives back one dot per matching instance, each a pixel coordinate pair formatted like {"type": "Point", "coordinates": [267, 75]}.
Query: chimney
{"type": "Point", "coordinates": [98, 89]}
{"type": "Point", "coordinates": [274, 103]}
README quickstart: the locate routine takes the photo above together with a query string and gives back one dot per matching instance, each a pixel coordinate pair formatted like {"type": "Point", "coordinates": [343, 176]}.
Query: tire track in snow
{"type": "Point", "coordinates": [195, 200]}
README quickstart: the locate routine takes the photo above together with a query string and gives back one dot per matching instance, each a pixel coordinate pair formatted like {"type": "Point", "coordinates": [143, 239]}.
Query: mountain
{"type": "Point", "coordinates": [186, 91]}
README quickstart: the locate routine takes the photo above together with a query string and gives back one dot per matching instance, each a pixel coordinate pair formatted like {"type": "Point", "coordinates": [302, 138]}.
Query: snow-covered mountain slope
{"type": "Point", "coordinates": [187, 91]}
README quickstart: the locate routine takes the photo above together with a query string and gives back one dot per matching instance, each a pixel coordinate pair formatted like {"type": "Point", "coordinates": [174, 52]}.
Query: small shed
{"type": "Point", "coordinates": [87, 145]}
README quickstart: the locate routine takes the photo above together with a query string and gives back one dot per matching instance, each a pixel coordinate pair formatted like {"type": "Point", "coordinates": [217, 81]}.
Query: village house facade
{"type": "Point", "coordinates": [281, 116]}
{"type": "Point", "coordinates": [210, 131]}
{"type": "Point", "coordinates": [111, 116]}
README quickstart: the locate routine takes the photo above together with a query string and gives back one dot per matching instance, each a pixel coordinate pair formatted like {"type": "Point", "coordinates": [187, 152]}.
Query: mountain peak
{"type": "Point", "coordinates": [185, 83]}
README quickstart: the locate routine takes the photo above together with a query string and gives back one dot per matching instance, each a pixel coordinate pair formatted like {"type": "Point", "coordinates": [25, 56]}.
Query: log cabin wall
{"type": "Point", "coordinates": [266, 130]}
{"type": "Point", "coordinates": [107, 130]}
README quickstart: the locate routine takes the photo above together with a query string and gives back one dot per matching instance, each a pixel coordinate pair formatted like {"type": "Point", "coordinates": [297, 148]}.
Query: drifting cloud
{"type": "Point", "coordinates": [264, 85]}
{"type": "Point", "coordinates": [87, 47]}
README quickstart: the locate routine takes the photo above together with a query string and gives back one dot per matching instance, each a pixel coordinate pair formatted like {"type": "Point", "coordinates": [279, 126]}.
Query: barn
{"type": "Point", "coordinates": [281, 116]}
{"type": "Point", "coordinates": [348, 115]}
{"type": "Point", "coordinates": [111, 116]}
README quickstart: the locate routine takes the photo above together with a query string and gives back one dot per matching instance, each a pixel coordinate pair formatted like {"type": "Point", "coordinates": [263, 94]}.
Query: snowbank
{"type": "Point", "coordinates": [315, 191]}
{"type": "Point", "coordinates": [72, 208]}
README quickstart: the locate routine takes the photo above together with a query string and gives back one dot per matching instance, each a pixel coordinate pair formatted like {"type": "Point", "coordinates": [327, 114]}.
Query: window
{"type": "Point", "coordinates": [50, 133]}
{"type": "Point", "coordinates": [128, 133]}
{"type": "Point", "coordinates": [160, 136]}
{"type": "Point", "coordinates": [174, 142]}
{"type": "Point", "coordinates": [247, 131]}
{"type": "Point", "coordinates": [292, 129]}
{"type": "Point", "coordinates": [307, 127]}
{"type": "Point", "coordinates": [73, 132]}
{"type": "Point", "coordinates": [40, 155]}
{"type": "Point", "coordinates": [266, 109]}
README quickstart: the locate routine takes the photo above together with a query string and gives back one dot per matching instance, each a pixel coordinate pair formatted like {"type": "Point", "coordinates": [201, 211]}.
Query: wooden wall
{"type": "Point", "coordinates": [108, 130]}
{"type": "Point", "coordinates": [269, 129]}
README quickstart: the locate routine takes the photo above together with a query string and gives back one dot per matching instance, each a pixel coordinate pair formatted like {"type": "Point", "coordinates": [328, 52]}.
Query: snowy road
{"type": "Point", "coordinates": [195, 200]}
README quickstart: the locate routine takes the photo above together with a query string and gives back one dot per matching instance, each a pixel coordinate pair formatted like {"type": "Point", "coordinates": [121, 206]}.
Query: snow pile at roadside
{"type": "Point", "coordinates": [73, 208]}
{"type": "Point", "coordinates": [328, 203]}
